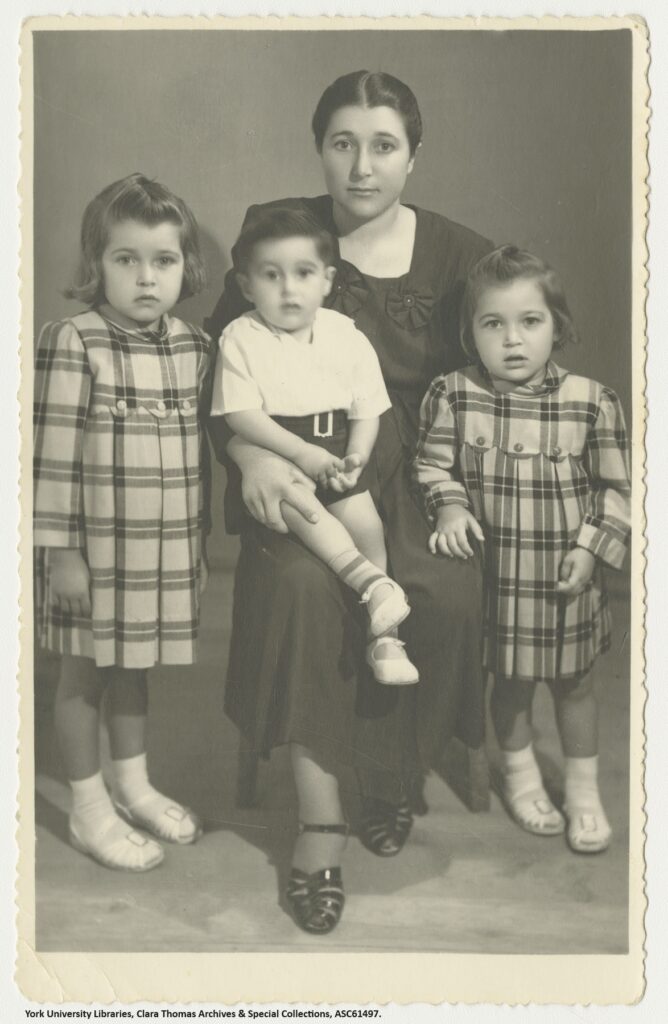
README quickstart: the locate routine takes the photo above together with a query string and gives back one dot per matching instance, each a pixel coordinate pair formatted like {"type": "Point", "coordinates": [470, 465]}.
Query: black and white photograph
{"type": "Point", "coordinates": [333, 637]}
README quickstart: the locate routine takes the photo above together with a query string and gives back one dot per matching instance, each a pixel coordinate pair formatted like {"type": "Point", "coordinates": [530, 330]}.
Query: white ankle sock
{"type": "Point", "coordinates": [520, 771]}
{"type": "Point", "coordinates": [90, 801]}
{"type": "Point", "coordinates": [581, 783]}
{"type": "Point", "coordinates": [130, 782]}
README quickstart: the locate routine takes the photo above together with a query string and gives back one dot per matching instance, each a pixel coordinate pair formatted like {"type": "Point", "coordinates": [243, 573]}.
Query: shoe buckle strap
{"type": "Point", "coordinates": [340, 829]}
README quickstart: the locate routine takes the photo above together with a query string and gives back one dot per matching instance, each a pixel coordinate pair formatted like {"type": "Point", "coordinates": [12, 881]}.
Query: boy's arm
{"type": "Point", "coordinates": [362, 436]}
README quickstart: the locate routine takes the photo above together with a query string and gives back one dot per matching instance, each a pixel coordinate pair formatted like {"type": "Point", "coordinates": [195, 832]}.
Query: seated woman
{"type": "Point", "coordinates": [297, 670]}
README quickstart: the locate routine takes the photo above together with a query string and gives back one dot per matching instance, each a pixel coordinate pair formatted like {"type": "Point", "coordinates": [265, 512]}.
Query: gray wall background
{"type": "Point", "coordinates": [527, 139]}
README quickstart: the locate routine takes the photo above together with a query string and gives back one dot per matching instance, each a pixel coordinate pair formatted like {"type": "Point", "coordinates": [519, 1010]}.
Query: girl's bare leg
{"type": "Point", "coordinates": [523, 790]}
{"type": "Point", "coordinates": [143, 805]}
{"type": "Point", "coordinates": [77, 715]}
{"type": "Point", "coordinates": [95, 828]}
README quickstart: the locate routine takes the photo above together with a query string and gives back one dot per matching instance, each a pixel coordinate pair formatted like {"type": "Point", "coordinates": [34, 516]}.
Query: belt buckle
{"type": "Point", "coordinates": [317, 432]}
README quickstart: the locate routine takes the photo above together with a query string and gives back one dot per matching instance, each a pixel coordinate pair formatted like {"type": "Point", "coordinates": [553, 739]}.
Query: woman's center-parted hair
{"type": "Point", "coordinates": [276, 224]}
{"type": "Point", "coordinates": [501, 267]}
{"type": "Point", "coordinates": [368, 89]}
{"type": "Point", "coordinates": [136, 198]}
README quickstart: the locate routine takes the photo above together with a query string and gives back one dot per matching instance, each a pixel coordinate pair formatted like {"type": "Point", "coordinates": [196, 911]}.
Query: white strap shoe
{"type": "Point", "coordinates": [391, 671]}
{"type": "Point", "coordinates": [393, 610]}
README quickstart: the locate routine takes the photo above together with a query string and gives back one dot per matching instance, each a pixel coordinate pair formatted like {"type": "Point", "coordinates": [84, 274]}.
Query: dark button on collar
{"type": "Point", "coordinates": [480, 440]}
{"type": "Point", "coordinates": [519, 447]}
{"type": "Point", "coordinates": [556, 450]}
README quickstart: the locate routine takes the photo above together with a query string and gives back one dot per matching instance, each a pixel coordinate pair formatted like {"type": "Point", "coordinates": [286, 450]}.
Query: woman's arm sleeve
{"type": "Point", "coordinates": [606, 526]}
{"type": "Point", "coordinates": [435, 464]}
{"type": "Point", "coordinates": [62, 395]}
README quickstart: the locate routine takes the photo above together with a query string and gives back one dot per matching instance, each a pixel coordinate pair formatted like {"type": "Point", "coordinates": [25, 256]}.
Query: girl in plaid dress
{"type": "Point", "coordinates": [119, 506]}
{"type": "Point", "coordinates": [533, 460]}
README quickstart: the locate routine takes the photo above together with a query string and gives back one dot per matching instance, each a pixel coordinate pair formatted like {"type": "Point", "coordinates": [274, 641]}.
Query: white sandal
{"type": "Point", "coordinates": [115, 846]}
{"type": "Point", "coordinates": [535, 812]}
{"type": "Point", "coordinates": [166, 824]}
{"type": "Point", "coordinates": [588, 830]}
{"type": "Point", "coordinates": [392, 611]}
{"type": "Point", "coordinates": [391, 671]}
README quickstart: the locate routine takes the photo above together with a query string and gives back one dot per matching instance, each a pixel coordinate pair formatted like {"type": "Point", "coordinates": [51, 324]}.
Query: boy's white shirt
{"type": "Point", "coordinates": [261, 367]}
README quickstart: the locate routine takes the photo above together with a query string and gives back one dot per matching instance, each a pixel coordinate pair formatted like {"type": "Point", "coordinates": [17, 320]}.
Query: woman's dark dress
{"type": "Point", "coordinates": [297, 670]}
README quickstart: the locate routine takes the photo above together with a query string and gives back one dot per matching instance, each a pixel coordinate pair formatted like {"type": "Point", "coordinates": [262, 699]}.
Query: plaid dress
{"type": "Point", "coordinates": [118, 475]}
{"type": "Point", "coordinates": [543, 469]}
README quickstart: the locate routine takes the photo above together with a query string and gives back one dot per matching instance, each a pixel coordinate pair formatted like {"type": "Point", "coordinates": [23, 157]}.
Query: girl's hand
{"type": "Point", "coordinates": [317, 463]}
{"type": "Point", "coordinates": [267, 480]}
{"type": "Point", "coordinates": [346, 478]}
{"type": "Point", "coordinates": [69, 578]}
{"type": "Point", "coordinates": [575, 572]}
{"type": "Point", "coordinates": [450, 536]}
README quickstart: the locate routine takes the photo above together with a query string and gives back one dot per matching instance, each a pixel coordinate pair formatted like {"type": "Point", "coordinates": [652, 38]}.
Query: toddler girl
{"type": "Point", "coordinates": [119, 506]}
{"type": "Point", "coordinates": [303, 382]}
{"type": "Point", "coordinates": [538, 456]}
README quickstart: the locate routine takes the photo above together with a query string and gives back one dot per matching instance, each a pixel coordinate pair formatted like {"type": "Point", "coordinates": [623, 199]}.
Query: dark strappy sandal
{"type": "Point", "coordinates": [384, 828]}
{"type": "Point", "coordinates": [317, 900]}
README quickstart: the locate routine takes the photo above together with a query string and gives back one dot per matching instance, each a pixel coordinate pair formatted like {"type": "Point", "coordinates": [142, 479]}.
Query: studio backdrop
{"type": "Point", "coordinates": [527, 139]}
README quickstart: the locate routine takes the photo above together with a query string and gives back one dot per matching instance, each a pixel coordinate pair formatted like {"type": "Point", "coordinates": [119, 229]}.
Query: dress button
{"type": "Point", "coordinates": [121, 405]}
{"type": "Point", "coordinates": [161, 406]}
{"type": "Point", "coordinates": [185, 405]}
{"type": "Point", "coordinates": [480, 440]}
{"type": "Point", "coordinates": [409, 300]}
{"type": "Point", "coordinates": [339, 288]}
{"type": "Point", "coordinates": [556, 450]}
{"type": "Point", "coordinates": [519, 447]}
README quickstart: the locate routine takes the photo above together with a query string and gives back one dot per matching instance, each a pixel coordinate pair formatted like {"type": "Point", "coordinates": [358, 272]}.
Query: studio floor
{"type": "Point", "coordinates": [464, 883]}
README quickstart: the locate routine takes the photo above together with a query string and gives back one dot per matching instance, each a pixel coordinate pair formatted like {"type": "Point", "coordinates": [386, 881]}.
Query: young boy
{"type": "Point", "coordinates": [303, 382]}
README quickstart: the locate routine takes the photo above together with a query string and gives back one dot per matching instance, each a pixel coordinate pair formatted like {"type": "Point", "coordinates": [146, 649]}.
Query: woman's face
{"type": "Point", "coordinates": [366, 157]}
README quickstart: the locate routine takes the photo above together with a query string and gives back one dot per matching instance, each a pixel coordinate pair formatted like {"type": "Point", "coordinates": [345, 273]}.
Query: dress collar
{"type": "Point", "coordinates": [554, 377]}
{"type": "Point", "coordinates": [121, 324]}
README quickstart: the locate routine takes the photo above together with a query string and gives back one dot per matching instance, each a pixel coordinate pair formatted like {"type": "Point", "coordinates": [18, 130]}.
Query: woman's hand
{"type": "Point", "coordinates": [450, 536]}
{"type": "Point", "coordinates": [69, 580]}
{"type": "Point", "coordinates": [267, 480]}
{"type": "Point", "coordinates": [317, 463]}
{"type": "Point", "coordinates": [346, 478]}
{"type": "Point", "coordinates": [575, 572]}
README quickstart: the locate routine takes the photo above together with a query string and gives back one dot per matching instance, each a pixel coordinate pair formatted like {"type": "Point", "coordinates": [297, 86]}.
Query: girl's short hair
{"type": "Point", "coordinates": [281, 222]}
{"type": "Point", "coordinates": [368, 89]}
{"type": "Point", "coordinates": [502, 266]}
{"type": "Point", "coordinates": [141, 199]}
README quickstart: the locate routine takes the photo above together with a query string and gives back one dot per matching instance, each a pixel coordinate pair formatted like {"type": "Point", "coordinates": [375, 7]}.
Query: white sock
{"type": "Point", "coordinates": [130, 784]}
{"type": "Point", "coordinates": [581, 783]}
{"type": "Point", "coordinates": [520, 771]}
{"type": "Point", "coordinates": [148, 808]}
{"type": "Point", "coordinates": [90, 801]}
